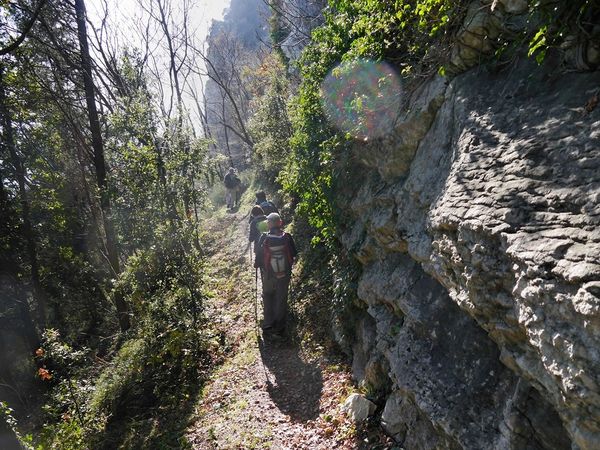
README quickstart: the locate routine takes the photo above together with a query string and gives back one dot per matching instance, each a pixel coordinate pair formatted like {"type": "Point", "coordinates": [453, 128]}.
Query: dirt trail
{"type": "Point", "coordinates": [274, 395]}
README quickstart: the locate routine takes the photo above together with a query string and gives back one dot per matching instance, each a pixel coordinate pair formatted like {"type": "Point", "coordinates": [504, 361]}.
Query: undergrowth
{"type": "Point", "coordinates": [142, 392]}
{"type": "Point", "coordinates": [323, 293]}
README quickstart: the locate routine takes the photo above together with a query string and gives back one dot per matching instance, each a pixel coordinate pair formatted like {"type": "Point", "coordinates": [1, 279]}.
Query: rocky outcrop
{"type": "Point", "coordinates": [477, 225]}
{"type": "Point", "coordinates": [359, 408]}
{"type": "Point", "coordinates": [233, 45]}
{"type": "Point", "coordinates": [298, 18]}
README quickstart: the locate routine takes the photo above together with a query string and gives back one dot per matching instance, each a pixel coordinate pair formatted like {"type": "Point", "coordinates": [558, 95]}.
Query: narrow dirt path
{"type": "Point", "coordinates": [276, 395]}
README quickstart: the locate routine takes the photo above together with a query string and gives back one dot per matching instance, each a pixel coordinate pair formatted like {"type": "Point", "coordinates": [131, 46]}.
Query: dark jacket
{"type": "Point", "coordinates": [231, 180]}
{"type": "Point", "coordinates": [267, 206]}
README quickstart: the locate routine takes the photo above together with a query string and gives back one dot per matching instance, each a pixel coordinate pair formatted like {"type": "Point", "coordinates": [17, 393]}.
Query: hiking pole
{"type": "Point", "coordinates": [291, 290]}
{"type": "Point", "coordinates": [292, 301]}
{"type": "Point", "coordinates": [255, 291]}
{"type": "Point", "coordinates": [256, 301]}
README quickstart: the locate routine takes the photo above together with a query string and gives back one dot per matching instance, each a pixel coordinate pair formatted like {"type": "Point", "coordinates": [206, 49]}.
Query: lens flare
{"type": "Point", "coordinates": [362, 97]}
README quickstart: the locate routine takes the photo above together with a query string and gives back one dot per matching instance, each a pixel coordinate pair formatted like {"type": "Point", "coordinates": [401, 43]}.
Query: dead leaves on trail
{"type": "Point", "coordinates": [276, 396]}
{"type": "Point", "coordinates": [255, 406]}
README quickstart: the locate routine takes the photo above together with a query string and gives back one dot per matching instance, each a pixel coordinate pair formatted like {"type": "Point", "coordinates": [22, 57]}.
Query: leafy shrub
{"type": "Point", "coordinates": [270, 125]}
{"type": "Point", "coordinates": [401, 32]}
{"type": "Point", "coordinates": [10, 423]}
{"type": "Point", "coordinates": [70, 420]}
{"type": "Point", "coordinates": [149, 387]}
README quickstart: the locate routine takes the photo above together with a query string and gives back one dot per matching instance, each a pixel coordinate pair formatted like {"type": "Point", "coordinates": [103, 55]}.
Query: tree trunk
{"type": "Point", "coordinates": [9, 140]}
{"type": "Point", "coordinates": [226, 135]}
{"type": "Point", "coordinates": [99, 163]}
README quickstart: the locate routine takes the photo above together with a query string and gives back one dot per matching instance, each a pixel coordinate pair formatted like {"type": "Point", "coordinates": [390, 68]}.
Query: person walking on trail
{"type": "Point", "coordinates": [258, 224]}
{"type": "Point", "coordinates": [267, 205]}
{"type": "Point", "coordinates": [232, 185]}
{"type": "Point", "coordinates": [275, 253]}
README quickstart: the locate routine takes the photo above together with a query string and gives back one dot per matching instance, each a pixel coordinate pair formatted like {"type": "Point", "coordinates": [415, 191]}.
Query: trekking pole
{"type": "Point", "coordinates": [291, 297]}
{"type": "Point", "coordinates": [256, 301]}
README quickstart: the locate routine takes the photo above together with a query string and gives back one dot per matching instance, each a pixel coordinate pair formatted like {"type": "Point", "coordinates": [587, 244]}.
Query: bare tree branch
{"type": "Point", "coordinates": [15, 44]}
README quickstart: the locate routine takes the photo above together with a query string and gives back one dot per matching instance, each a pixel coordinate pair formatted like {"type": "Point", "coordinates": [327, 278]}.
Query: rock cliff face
{"type": "Point", "coordinates": [477, 225]}
{"type": "Point", "coordinates": [233, 45]}
{"type": "Point", "coordinates": [299, 18]}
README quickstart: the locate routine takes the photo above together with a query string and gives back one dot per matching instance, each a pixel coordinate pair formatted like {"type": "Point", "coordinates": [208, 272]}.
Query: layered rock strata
{"type": "Point", "coordinates": [477, 225]}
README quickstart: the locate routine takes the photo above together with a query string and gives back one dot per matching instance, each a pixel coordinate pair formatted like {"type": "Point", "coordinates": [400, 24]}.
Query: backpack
{"type": "Point", "coordinates": [277, 257]}
{"type": "Point", "coordinates": [268, 207]}
{"type": "Point", "coordinates": [262, 226]}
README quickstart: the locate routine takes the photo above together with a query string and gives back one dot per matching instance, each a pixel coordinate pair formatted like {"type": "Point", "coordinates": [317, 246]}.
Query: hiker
{"type": "Point", "coordinates": [232, 185]}
{"type": "Point", "coordinates": [267, 205]}
{"type": "Point", "coordinates": [258, 224]}
{"type": "Point", "coordinates": [275, 254]}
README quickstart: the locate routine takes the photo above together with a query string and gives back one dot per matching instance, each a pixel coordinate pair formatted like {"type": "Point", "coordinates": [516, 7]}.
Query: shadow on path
{"type": "Point", "coordinates": [294, 385]}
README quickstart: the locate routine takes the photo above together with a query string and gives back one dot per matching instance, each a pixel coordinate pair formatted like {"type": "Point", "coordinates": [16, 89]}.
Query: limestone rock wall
{"type": "Point", "coordinates": [477, 224]}
{"type": "Point", "coordinates": [299, 18]}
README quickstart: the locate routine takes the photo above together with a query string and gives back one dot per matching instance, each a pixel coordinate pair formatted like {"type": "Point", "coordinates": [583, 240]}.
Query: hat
{"type": "Point", "coordinates": [274, 219]}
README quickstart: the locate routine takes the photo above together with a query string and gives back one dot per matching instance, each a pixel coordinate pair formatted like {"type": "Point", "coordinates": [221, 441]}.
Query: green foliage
{"type": "Point", "coordinates": [154, 169]}
{"type": "Point", "coordinates": [149, 387]}
{"type": "Point", "coordinates": [401, 32]}
{"type": "Point", "coordinates": [270, 125]}
{"type": "Point", "coordinates": [325, 286]}
{"type": "Point", "coordinates": [158, 362]}
{"type": "Point", "coordinates": [555, 23]}
{"type": "Point", "coordinates": [70, 419]}
{"type": "Point", "coordinates": [63, 356]}
{"type": "Point", "coordinates": [412, 35]}
{"type": "Point", "coordinates": [7, 415]}
{"type": "Point", "coordinates": [154, 378]}
{"type": "Point", "coordinates": [538, 45]}
{"type": "Point", "coordinates": [163, 281]}
{"type": "Point", "coordinates": [157, 173]}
